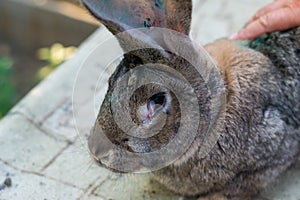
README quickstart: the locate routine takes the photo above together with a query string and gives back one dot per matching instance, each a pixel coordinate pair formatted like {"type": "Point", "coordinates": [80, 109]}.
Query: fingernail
{"type": "Point", "coordinates": [234, 36]}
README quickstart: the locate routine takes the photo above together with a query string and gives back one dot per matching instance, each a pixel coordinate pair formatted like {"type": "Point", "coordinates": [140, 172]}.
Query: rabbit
{"type": "Point", "coordinates": [261, 134]}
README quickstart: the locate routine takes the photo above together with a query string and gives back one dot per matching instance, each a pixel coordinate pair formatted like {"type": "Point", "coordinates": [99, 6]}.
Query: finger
{"type": "Point", "coordinates": [278, 20]}
{"type": "Point", "coordinates": [266, 9]}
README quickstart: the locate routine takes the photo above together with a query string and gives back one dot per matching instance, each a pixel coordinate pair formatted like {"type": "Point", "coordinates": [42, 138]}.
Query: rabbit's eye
{"type": "Point", "coordinates": [159, 98]}
{"type": "Point", "coordinates": [156, 102]}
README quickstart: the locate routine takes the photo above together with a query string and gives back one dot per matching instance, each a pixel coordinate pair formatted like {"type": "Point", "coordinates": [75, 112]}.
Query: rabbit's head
{"type": "Point", "coordinates": [160, 96]}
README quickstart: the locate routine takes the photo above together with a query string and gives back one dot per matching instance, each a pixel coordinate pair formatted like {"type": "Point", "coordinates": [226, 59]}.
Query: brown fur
{"type": "Point", "coordinates": [261, 133]}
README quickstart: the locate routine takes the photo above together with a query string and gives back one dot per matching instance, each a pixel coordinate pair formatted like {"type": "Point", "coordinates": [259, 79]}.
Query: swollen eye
{"type": "Point", "coordinates": [156, 102]}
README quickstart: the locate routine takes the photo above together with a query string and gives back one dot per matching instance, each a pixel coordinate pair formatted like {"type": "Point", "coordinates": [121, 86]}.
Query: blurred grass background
{"type": "Point", "coordinates": [36, 36]}
{"type": "Point", "coordinates": [52, 56]}
{"type": "Point", "coordinates": [8, 94]}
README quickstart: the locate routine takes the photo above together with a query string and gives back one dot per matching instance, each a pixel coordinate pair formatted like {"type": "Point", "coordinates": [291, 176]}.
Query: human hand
{"type": "Point", "coordinates": [277, 16]}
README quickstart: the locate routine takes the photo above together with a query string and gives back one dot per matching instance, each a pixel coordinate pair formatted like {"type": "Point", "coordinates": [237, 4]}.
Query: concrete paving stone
{"type": "Point", "coordinates": [29, 186]}
{"type": "Point", "coordinates": [215, 19]}
{"type": "Point", "coordinates": [74, 166]}
{"type": "Point", "coordinates": [288, 186]}
{"type": "Point", "coordinates": [61, 124]}
{"type": "Point", "coordinates": [88, 95]}
{"type": "Point", "coordinates": [89, 92]}
{"type": "Point", "coordinates": [91, 197]}
{"type": "Point", "coordinates": [134, 186]}
{"type": "Point", "coordinates": [56, 89]}
{"type": "Point", "coordinates": [24, 146]}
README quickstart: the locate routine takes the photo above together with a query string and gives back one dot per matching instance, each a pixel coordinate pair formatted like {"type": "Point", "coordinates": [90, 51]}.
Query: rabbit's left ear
{"type": "Point", "coordinates": [123, 15]}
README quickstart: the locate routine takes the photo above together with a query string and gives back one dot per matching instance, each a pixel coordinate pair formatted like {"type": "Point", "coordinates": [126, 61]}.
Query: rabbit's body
{"type": "Point", "coordinates": [261, 133]}
{"type": "Point", "coordinates": [261, 136]}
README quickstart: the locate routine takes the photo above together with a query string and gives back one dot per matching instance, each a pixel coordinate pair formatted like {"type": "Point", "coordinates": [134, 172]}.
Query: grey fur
{"type": "Point", "coordinates": [261, 134]}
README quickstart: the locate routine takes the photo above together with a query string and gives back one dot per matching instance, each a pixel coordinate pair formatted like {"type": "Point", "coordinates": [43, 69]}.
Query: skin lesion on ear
{"type": "Point", "coordinates": [129, 14]}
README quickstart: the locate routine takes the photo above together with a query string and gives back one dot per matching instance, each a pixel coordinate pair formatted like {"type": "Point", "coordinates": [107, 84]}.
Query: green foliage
{"type": "Point", "coordinates": [54, 56]}
{"type": "Point", "coordinates": [8, 94]}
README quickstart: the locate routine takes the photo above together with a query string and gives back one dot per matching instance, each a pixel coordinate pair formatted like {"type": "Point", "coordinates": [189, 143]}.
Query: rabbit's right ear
{"type": "Point", "coordinates": [130, 16]}
{"type": "Point", "coordinates": [122, 15]}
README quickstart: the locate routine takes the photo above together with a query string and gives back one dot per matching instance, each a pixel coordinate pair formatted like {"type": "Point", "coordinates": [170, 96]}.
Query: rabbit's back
{"type": "Point", "coordinates": [283, 49]}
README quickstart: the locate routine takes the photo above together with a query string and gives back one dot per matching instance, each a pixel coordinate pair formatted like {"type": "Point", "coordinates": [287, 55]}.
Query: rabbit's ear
{"type": "Point", "coordinates": [123, 15]}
